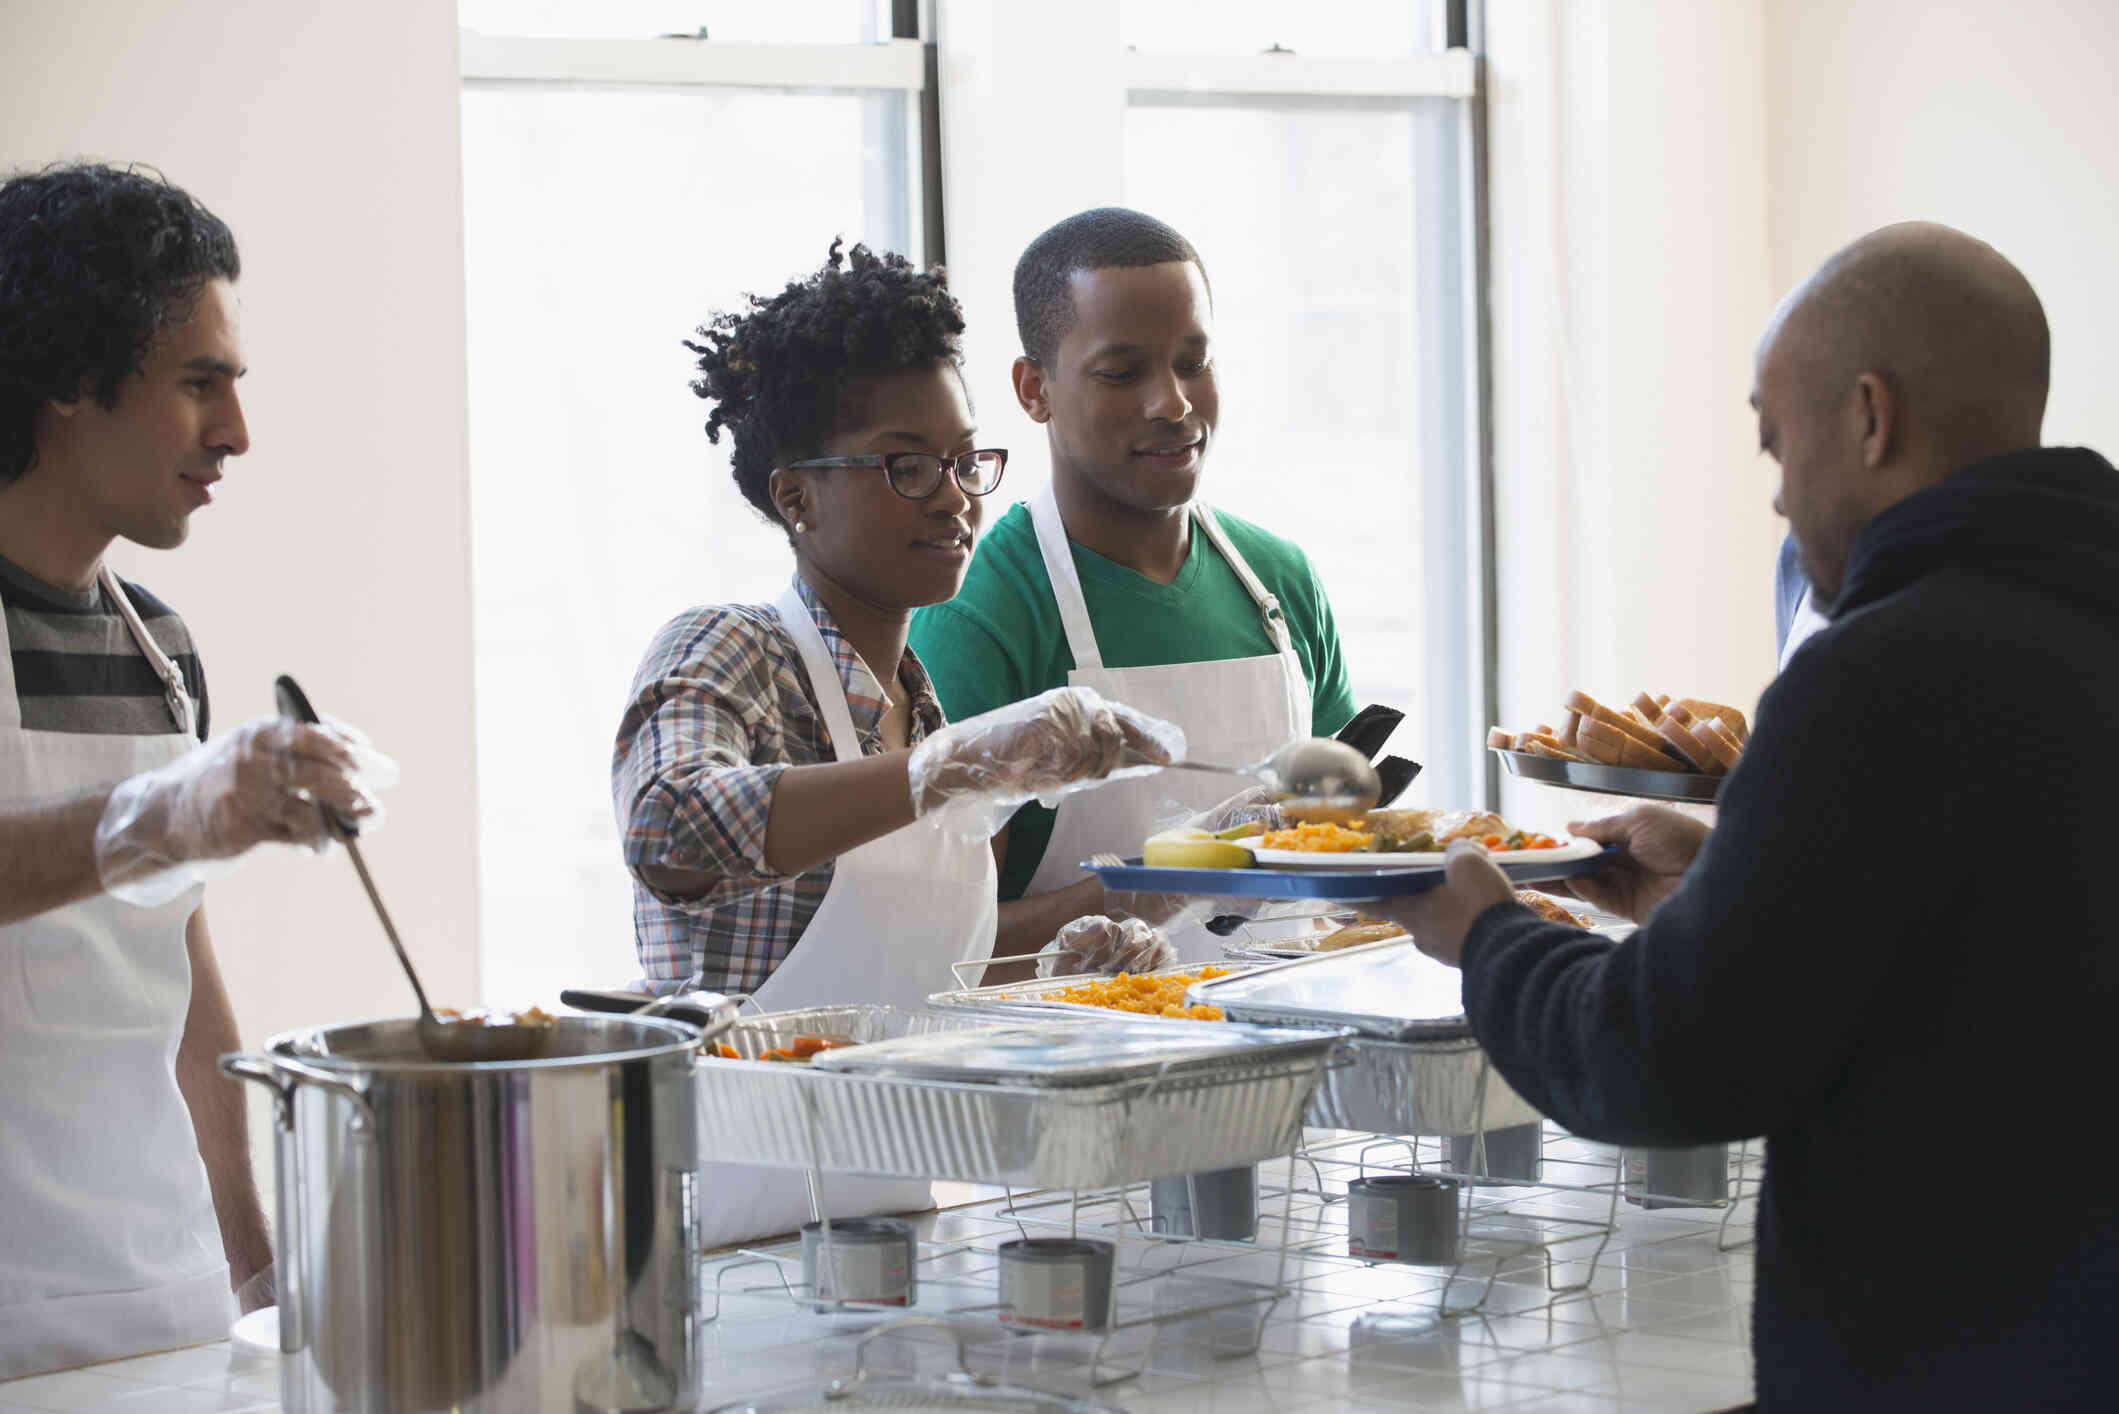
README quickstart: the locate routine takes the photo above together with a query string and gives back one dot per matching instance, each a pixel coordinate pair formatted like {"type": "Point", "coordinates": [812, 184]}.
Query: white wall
{"type": "Point", "coordinates": [1637, 537]}
{"type": "Point", "coordinates": [1997, 119]}
{"type": "Point", "coordinates": [1033, 116]}
{"type": "Point", "coordinates": [326, 136]}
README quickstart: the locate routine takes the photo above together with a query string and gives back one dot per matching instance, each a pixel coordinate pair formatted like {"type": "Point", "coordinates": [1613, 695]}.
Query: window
{"type": "Point", "coordinates": [620, 186]}
{"type": "Point", "coordinates": [605, 218]}
{"type": "Point", "coordinates": [742, 21]}
{"type": "Point", "coordinates": [1330, 200]}
{"type": "Point", "coordinates": [1341, 28]}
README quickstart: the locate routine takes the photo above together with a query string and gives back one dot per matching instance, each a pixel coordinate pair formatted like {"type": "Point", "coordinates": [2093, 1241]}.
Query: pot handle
{"type": "Point", "coordinates": [281, 1075]}
{"type": "Point", "coordinates": [712, 1012]}
{"type": "Point", "coordinates": [268, 1069]}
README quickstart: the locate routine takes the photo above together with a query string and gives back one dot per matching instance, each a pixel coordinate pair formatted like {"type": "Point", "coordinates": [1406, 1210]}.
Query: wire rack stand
{"type": "Point", "coordinates": [1156, 1284]}
{"type": "Point", "coordinates": [1504, 1221]}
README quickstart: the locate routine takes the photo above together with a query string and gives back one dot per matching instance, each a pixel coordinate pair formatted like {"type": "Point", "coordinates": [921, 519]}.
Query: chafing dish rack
{"type": "Point", "coordinates": [1084, 1104]}
{"type": "Point", "coordinates": [1413, 1066]}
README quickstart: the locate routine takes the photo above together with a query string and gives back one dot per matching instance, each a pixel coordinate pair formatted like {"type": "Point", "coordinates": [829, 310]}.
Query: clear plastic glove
{"type": "Point", "coordinates": [1252, 805]}
{"type": "Point", "coordinates": [260, 1291]}
{"type": "Point", "coordinates": [1105, 947]}
{"type": "Point", "coordinates": [972, 775]}
{"type": "Point", "coordinates": [167, 829]}
{"type": "Point", "coordinates": [1247, 807]}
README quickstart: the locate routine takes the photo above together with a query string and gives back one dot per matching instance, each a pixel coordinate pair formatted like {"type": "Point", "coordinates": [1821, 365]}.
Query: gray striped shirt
{"type": "Point", "coordinates": [77, 668]}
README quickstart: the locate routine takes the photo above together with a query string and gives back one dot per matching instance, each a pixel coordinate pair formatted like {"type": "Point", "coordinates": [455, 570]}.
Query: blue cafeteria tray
{"type": "Point", "coordinates": [1333, 885]}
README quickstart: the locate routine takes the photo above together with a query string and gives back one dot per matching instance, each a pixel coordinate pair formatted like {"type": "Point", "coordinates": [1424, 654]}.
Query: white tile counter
{"type": "Point", "coordinates": [1663, 1323]}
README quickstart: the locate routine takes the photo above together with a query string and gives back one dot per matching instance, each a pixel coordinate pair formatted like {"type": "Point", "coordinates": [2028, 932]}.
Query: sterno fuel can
{"type": "Point", "coordinates": [1402, 1218]}
{"type": "Point", "coordinates": [1056, 1283]}
{"type": "Point", "coordinates": [871, 1261]}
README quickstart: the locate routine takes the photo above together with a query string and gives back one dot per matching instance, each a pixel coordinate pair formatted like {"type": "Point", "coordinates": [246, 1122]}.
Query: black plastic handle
{"type": "Point", "coordinates": [625, 1003]}
{"type": "Point", "coordinates": [294, 705]}
{"type": "Point", "coordinates": [1367, 730]}
{"type": "Point", "coordinates": [1396, 773]}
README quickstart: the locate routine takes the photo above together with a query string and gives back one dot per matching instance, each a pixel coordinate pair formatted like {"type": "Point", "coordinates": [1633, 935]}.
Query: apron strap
{"type": "Point", "coordinates": [1066, 581]}
{"type": "Point", "coordinates": [181, 706]}
{"type": "Point", "coordinates": [822, 672]}
{"type": "Point", "coordinates": [1052, 544]}
{"type": "Point", "coordinates": [1268, 606]}
{"type": "Point", "coordinates": [1268, 609]}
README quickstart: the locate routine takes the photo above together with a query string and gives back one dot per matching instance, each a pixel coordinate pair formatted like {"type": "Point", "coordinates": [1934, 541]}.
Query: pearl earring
{"type": "Point", "coordinates": [801, 526]}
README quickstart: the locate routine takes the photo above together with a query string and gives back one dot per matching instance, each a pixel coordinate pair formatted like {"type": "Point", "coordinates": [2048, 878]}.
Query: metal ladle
{"type": "Point", "coordinates": [441, 1040]}
{"type": "Point", "coordinates": [1311, 778]}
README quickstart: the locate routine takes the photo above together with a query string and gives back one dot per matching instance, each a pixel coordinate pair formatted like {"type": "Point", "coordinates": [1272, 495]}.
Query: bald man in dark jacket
{"type": "Point", "coordinates": [1894, 954]}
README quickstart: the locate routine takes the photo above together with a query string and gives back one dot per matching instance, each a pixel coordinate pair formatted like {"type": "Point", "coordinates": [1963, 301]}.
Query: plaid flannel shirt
{"type": "Point", "coordinates": [719, 708]}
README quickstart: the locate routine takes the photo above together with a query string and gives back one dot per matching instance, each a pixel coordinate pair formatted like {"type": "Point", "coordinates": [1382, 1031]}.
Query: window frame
{"type": "Point", "coordinates": [1461, 516]}
{"type": "Point", "coordinates": [903, 64]}
{"type": "Point", "coordinates": [1459, 711]}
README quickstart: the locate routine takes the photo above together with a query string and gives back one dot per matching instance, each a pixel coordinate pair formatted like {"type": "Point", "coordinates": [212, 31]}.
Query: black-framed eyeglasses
{"type": "Point", "coordinates": [918, 475]}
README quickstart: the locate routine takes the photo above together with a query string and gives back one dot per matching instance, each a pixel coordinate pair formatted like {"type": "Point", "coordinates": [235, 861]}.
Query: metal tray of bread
{"type": "Point", "coordinates": [1034, 1136]}
{"type": "Point", "coordinates": [1036, 997]}
{"type": "Point", "coordinates": [1611, 780]}
{"type": "Point", "coordinates": [1384, 990]}
{"type": "Point", "coordinates": [1333, 885]}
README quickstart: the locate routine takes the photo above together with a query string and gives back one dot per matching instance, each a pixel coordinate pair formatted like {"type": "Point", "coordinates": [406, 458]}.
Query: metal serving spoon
{"type": "Point", "coordinates": [1311, 778]}
{"type": "Point", "coordinates": [442, 1040]}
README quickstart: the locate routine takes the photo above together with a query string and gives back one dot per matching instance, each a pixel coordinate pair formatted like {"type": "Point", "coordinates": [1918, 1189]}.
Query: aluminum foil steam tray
{"type": "Point", "coordinates": [860, 1022]}
{"type": "Point", "coordinates": [1386, 990]}
{"type": "Point", "coordinates": [1417, 1087]}
{"type": "Point", "coordinates": [1415, 1069]}
{"type": "Point", "coordinates": [1018, 1000]}
{"type": "Point", "coordinates": [1233, 1112]}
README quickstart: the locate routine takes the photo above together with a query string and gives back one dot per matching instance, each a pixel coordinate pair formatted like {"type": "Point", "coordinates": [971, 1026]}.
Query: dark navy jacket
{"type": "Point", "coordinates": [1896, 958]}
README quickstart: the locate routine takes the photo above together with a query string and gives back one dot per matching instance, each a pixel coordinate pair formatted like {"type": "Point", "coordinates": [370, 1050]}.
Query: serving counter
{"type": "Point", "coordinates": [1660, 1320]}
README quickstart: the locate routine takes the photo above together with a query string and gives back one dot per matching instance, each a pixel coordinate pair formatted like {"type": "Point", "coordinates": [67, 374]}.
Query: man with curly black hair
{"type": "Point", "coordinates": [127, 1208]}
{"type": "Point", "coordinates": [801, 821]}
{"type": "Point", "coordinates": [1101, 580]}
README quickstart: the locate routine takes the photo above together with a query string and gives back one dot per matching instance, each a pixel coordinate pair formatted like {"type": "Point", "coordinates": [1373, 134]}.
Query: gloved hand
{"type": "Point", "coordinates": [1253, 805]}
{"type": "Point", "coordinates": [1171, 911]}
{"type": "Point", "coordinates": [1104, 946]}
{"type": "Point", "coordinates": [163, 830]}
{"type": "Point", "coordinates": [971, 775]}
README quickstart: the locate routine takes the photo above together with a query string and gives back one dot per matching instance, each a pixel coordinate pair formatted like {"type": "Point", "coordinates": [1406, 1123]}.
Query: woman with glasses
{"type": "Point", "coordinates": [800, 822]}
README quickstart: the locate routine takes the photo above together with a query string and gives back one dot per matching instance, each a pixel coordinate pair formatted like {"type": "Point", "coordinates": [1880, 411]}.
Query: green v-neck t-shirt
{"type": "Point", "coordinates": [1000, 640]}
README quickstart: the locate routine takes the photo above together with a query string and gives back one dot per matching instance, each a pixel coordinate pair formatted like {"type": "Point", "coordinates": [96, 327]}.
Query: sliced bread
{"type": "Point", "coordinates": [1732, 720]}
{"type": "Point", "coordinates": [1679, 734]}
{"type": "Point", "coordinates": [1593, 710]}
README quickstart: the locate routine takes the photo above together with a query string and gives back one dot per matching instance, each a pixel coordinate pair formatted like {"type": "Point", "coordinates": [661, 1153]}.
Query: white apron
{"type": "Point", "coordinates": [899, 911]}
{"type": "Point", "coordinates": [108, 1242]}
{"type": "Point", "coordinates": [1806, 622]}
{"type": "Point", "coordinates": [1234, 711]}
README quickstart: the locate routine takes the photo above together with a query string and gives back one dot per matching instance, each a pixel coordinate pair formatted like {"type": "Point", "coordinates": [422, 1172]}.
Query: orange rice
{"type": "Point", "coordinates": [1143, 996]}
{"type": "Point", "coordinates": [1322, 839]}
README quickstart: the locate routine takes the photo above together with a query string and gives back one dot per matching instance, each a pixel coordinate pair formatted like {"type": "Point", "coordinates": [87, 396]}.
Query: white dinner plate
{"type": "Point", "coordinates": [1321, 859]}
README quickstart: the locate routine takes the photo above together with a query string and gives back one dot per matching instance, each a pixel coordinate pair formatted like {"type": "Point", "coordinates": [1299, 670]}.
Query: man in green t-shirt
{"type": "Point", "coordinates": [1102, 580]}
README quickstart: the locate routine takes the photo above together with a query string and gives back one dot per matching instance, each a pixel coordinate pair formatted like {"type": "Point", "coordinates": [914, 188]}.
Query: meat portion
{"type": "Point", "coordinates": [1550, 909]}
{"type": "Point", "coordinates": [1466, 825]}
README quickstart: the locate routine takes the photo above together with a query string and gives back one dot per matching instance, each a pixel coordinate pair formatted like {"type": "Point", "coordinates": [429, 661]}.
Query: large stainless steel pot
{"type": "Point", "coordinates": [485, 1237]}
